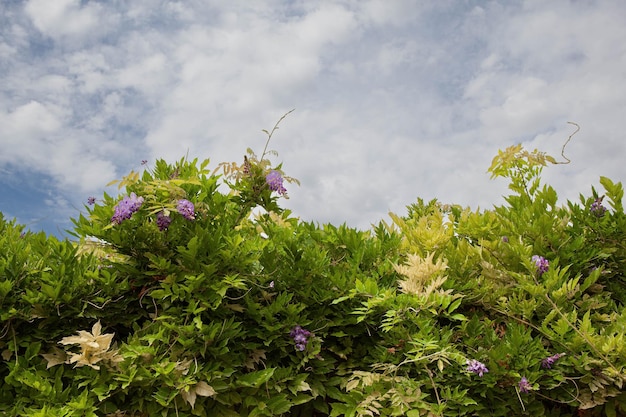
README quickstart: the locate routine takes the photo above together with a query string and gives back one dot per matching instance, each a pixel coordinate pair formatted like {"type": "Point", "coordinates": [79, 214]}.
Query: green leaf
{"type": "Point", "coordinates": [455, 304]}
{"type": "Point", "coordinates": [341, 299]}
{"type": "Point", "coordinates": [279, 404]}
{"type": "Point", "coordinates": [5, 287]}
{"type": "Point", "coordinates": [256, 379]}
{"type": "Point", "coordinates": [609, 409]}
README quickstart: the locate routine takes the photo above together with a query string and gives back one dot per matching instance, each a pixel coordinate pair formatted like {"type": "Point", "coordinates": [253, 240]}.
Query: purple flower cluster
{"type": "Point", "coordinates": [91, 201]}
{"type": "Point", "coordinates": [163, 221]}
{"type": "Point", "coordinates": [275, 182]}
{"type": "Point", "coordinates": [300, 337]}
{"type": "Point", "coordinates": [125, 208]}
{"type": "Point", "coordinates": [597, 208]}
{"type": "Point", "coordinates": [476, 367]}
{"type": "Point", "coordinates": [246, 166]}
{"type": "Point", "coordinates": [524, 385]}
{"type": "Point", "coordinates": [549, 361]}
{"type": "Point", "coordinates": [186, 209]}
{"type": "Point", "coordinates": [541, 263]}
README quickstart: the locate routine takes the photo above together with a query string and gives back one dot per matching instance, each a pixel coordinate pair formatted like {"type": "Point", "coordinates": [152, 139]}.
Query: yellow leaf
{"type": "Point", "coordinates": [204, 390]}
{"type": "Point", "coordinates": [75, 340]}
{"type": "Point", "coordinates": [352, 384]}
{"type": "Point", "coordinates": [423, 275]}
{"type": "Point", "coordinates": [96, 329]}
{"type": "Point", "coordinates": [94, 347]}
{"type": "Point", "coordinates": [182, 367]}
{"type": "Point", "coordinates": [303, 386]}
{"type": "Point", "coordinates": [189, 396]}
{"type": "Point", "coordinates": [55, 357]}
{"type": "Point", "coordinates": [236, 307]}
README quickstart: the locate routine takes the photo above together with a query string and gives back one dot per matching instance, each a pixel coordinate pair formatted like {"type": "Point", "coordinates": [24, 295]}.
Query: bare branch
{"type": "Point", "coordinates": [566, 142]}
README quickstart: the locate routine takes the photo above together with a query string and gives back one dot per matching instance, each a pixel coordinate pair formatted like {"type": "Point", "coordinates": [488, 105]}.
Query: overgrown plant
{"type": "Point", "coordinates": [195, 293]}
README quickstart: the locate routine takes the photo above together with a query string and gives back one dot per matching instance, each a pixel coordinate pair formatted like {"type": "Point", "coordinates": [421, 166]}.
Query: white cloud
{"type": "Point", "coordinates": [544, 69]}
{"type": "Point", "coordinates": [243, 71]}
{"type": "Point", "coordinates": [384, 13]}
{"type": "Point", "coordinates": [34, 137]}
{"type": "Point", "coordinates": [393, 100]}
{"type": "Point", "coordinates": [66, 18]}
{"type": "Point", "coordinates": [18, 126]}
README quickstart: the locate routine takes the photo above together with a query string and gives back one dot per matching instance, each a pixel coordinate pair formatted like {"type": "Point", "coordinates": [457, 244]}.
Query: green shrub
{"type": "Point", "coordinates": [195, 293]}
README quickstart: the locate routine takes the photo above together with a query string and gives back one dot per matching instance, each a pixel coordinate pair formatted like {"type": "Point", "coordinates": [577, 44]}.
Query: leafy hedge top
{"type": "Point", "coordinates": [179, 300]}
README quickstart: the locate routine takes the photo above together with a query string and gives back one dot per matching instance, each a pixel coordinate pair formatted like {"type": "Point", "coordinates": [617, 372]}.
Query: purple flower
{"type": "Point", "coordinates": [125, 208]}
{"type": "Point", "coordinates": [275, 182]}
{"type": "Point", "coordinates": [163, 221]}
{"type": "Point", "coordinates": [541, 263]}
{"type": "Point", "coordinates": [524, 385]}
{"type": "Point", "coordinates": [246, 165]}
{"type": "Point", "coordinates": [597, 208]}
{"type": "Point", "coordinates": [186, 208]}
{"type": "Point", "coordinates": [300, 337]}
{"type": "Point", "coordinates": [144, 162]}
{"type": "Point", "coordinates": [549, 361]}
{"type": "Point", "coordinates": [476, 367]}
{"type": "Point", "coordinates": [505, 239]}
{"type": "Point", "coordinates": [91, 201]}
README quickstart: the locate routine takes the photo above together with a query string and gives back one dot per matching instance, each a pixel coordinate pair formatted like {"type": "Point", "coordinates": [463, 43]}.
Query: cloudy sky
{"type": "Point", "coordinates": [393, 99]}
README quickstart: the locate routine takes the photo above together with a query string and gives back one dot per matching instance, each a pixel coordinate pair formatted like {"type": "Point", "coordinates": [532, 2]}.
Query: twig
{"type": "Point", "coordinates": [566, 142]}
{"type": "Point", "coordinates": [238, 298]}
{"type": "Point", "coordinates": [269, 134]}
{"type": "Point", "coordinates": [520, 399]}
{"type": "Point", "coordinates": [582, 335]}
{"type": "Point", "coordinates": [430, 375]}
{"type": "Point", "coordinates": [104, 304]}
{"type": "Point", "coordinates": [6, 329]}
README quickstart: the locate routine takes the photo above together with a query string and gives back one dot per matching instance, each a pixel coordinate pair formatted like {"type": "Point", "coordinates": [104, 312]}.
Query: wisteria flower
{"type": "Point", "coordinates": [163, 221]}
{"type": "Point", "coordinates": [300, 337]}
{"type": "Point", "coordinates": [476, 367]}
{"type": "Point", "coordinates": [541, 263]}
{"type": "Point", "coordinates": [524, 385]}
{"type": "Point", "coordinates": [597, 208]}
{"type": "Point", "coordinates": [125, 208]}
{"type": "Point", "coordinates": [186, 209]}
{"type": "Point", "coordinates": [91, 201]}
{"type": "Point", "coordinates": [549, 361]}
{"type": "Point", "coordinates": [246, 165]}
{"type": "Point", "coordinates": [275, 181]}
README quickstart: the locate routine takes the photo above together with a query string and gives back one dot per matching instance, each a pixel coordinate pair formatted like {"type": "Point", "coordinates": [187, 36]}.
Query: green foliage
{"type": "Point", "coordinates": [136, 319]}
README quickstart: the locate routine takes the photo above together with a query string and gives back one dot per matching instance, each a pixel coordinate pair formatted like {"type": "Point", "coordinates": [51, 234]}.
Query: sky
{"type": "Point", "coordinates": [394, 99]}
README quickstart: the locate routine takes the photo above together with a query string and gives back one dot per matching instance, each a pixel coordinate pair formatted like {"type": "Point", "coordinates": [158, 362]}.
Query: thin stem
{"type": "Point", "coordinates": [566, 142]}
{"type": "Point", "coordinates": [520, 399]}
{"type": "Point", "coordinates": [581, 334]}
{"type": "Point", "coordinates": [15, 346]}
{"type": "Point", "coordinates": [432, 381]}
{"type": "Point", "coordinates": [269, 134]}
